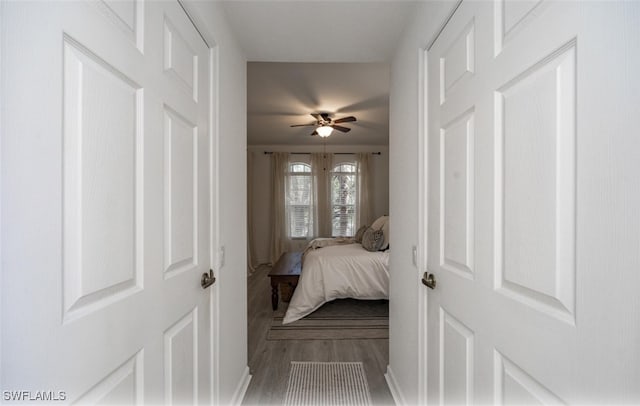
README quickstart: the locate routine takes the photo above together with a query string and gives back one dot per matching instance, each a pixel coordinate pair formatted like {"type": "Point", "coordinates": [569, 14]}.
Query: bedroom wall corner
{"type": "Point", "coordinates": [404, 131]}
{"type": "Point", "coordinates": [231, 286]}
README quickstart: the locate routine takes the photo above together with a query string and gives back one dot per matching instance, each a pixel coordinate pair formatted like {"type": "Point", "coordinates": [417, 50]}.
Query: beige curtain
{"type": "Point", "coordinates": [363, 202]}
{"type": "Point", "coordinates": [321, 165]}
{"type": "Point", "coordinates": [279, 239]}
{"type": "Point", "coordinates": [250, 228]}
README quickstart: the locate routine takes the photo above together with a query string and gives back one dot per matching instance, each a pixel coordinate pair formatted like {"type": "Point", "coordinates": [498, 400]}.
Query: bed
{"type": "Point", "coordinates": [338, 272]}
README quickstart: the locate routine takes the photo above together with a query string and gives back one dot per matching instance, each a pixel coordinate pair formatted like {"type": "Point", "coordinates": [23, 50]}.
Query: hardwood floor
{"type": "Point", "coordinates": [269, 360]}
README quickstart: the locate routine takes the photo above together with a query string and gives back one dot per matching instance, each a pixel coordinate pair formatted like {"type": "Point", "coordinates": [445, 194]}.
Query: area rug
{"type": "Point", "coordinates": [343, 319]}
{"type": "Point", "coordinates": [327, 383]}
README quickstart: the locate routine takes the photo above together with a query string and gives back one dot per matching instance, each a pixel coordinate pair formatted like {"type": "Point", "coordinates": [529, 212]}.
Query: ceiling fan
{"type": "Point", "coordinates": [325, 124]}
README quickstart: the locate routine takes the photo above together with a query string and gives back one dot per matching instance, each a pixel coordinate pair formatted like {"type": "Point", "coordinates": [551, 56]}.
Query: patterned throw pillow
{"type": "Point", "coordinates": [360, 233]}
{"type": "Point", "coordinates": [372, 239]}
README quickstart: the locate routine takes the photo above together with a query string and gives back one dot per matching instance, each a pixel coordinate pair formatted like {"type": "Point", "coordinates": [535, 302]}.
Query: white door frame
{"type": "Point", "coordinates": [214, 190]}
{"type": "Point", "coordinates": [2, 101]}
{"type": "Point", "coordinates": [214, 194]}
{"type": "Point", "coordinates": [421, 260]}
{"type": "Point", "coordinates": [423, 206]}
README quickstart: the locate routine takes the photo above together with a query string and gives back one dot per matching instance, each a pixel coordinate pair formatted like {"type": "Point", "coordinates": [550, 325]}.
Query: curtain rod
{"type": "Point", "coordinates": [334, 153]}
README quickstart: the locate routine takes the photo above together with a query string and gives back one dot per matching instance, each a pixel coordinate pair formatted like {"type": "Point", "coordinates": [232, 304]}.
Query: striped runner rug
{"type": "Point", "coordinates": [327, 383]}
{"type": "Point", "coordinates": [330, 329]}
{"type": "Point", "coordinates": [342, 319]}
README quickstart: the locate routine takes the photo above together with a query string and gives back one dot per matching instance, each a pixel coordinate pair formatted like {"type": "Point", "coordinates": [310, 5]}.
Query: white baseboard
{"type": "Point", "coordinates": [241, 389]}
{"type": "Point", "coordinates": [395, 390]}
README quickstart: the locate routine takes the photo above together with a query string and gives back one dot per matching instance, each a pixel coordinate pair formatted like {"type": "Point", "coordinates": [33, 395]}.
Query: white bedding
{"type": "Point", "coordinates": [337, 272]}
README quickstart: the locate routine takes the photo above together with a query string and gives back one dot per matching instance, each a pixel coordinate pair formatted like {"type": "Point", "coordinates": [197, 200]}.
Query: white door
{"type": "Point", "coordinates": [105, 187]}
{"type": "Point", "coordinates": [534, 190]}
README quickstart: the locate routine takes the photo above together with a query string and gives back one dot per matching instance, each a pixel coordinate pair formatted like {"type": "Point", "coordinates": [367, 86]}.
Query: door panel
{"type": "Point", "coordinates": [122, 386]}
{"type": "Point", "coordinates": [535, 185]}
{"type": "Point", "coordinates": [456, 360]}
{"type": "Point", "coordinates": [106, 181]}
{"type": "Point", "coordinates": [181, 193]}
{"type": "Point", "coordinates": [457, 185]}
{"type": "Point", "coordinates": [514, 386]}
{"type": "Point", "coordinates": [101, 196]}
{"type": "Point", "coordinates": [181, 360]}
{"type": "Point", "coordinates": [126, 15]}
{"type": "Point", "coordinates": [530, 178]}
{"type": "Point", "coordinates": [457, 63]}
{"type": "Point", "coordinates": [180, 61]}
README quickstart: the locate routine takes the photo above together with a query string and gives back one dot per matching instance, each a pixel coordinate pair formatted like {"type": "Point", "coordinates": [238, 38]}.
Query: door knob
{"type": "Point", "coordinates": [207, 279]}
{"type": "Point", "coordinates": [429, 280]}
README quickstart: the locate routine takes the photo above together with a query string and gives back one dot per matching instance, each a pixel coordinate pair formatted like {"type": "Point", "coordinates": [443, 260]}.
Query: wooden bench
{"type": "Point", "coordinates": [286, 271]}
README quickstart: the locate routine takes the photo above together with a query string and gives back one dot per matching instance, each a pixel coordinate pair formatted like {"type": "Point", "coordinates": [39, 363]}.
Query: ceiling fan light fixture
{"type": "Point", "coordinates": [324, 131]}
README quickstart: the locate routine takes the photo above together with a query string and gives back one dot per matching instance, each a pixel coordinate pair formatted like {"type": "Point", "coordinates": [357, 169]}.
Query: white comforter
{"type": "Point", "coordinates": [337, 272]}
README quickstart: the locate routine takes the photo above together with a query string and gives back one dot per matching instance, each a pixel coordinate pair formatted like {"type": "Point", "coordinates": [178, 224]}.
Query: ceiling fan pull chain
{"type": "Point", "coordinates": [324, 156]}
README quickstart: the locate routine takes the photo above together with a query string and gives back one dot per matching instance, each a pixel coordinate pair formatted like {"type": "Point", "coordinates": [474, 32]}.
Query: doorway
{"type": "Point", "coordinates": [281, 95]}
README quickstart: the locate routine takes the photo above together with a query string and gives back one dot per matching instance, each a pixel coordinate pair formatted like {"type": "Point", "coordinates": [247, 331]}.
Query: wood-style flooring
{"type": "Point", "coordinates": [269, 361]}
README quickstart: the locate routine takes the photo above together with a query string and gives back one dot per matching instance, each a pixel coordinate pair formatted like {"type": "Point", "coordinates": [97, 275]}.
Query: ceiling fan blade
{"type": "Point", "coordinates": [316, 116]}
{"type": "Point", "coordinates": [314, 133]}
{"type": "Point", "coordinates": [345, 120]}
{"type": "Point", "coordinates": [303, 125]}
{"type": "Point", "coordinates": [341, 128]}
{"type": "Point", "coordinates": [325, 116]}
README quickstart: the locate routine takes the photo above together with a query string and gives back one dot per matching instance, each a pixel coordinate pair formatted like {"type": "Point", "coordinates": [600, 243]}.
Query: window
{"type": "Point", "coordinates": [298, 200]}
{"type": "Point", "coordinates": [318, 202]}
{"type": "Point", "coordinates": [343, 200]}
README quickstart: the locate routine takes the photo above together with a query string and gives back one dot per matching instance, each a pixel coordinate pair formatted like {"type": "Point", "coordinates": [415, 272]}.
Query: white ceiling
{"type": "Point", "coordinates": [281, 94]}
{"type": "Point", "coordinates": [318, 31]}
{"type": "Point", "coordinates": [310, 56]}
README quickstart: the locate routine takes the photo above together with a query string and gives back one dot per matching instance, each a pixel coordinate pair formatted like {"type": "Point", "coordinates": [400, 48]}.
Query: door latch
{"type": "Point", "coordinates": [207, 279]}
{"type": "Point", "coordinates": [429, 280]}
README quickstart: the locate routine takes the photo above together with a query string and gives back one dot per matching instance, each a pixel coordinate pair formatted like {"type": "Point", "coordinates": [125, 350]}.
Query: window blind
{"type": "Point", "coordinates": [343, 200]}
{"type": "Point", "coordinates": [299, 200]}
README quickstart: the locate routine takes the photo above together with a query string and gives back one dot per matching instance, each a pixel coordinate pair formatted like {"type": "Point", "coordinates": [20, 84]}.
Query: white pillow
{"type": "Point", "coordinates": [377, 225]}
